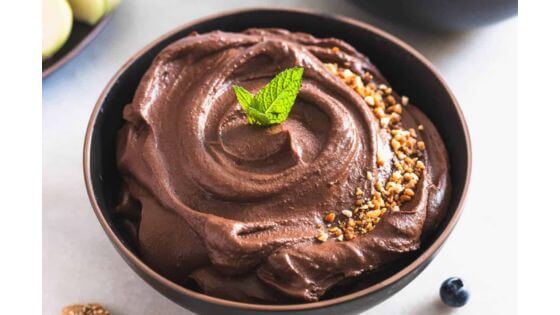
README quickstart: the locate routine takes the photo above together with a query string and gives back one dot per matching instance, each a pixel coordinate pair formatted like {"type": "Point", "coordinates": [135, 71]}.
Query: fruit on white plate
{"type": "Point", "coordinates": [111, 5]}
{"type": "Point", "coordinates": [88, 11]}
{"type": "Point", "coordinates": [57, 25]}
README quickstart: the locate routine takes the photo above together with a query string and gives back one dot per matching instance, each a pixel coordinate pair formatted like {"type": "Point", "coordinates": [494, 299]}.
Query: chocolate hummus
{"type": "Point", "coordinates": [251, 213]}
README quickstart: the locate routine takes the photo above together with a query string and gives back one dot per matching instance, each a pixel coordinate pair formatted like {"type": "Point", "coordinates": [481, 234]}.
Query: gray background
{"type": "Point", "coordinates": [80, 265]}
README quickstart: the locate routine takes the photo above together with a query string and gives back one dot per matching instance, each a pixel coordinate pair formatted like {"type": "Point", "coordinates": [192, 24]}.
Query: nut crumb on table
{"type": "Point", "coordinates": [85, 309]}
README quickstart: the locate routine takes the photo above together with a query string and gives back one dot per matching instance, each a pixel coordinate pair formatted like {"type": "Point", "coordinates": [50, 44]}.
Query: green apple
{"type": "Point", "coordinates": [57, 25]}
{"type": "Point", "coordinates": [111, 5]}
{"type": "Point", "coordinates": [88, 11]}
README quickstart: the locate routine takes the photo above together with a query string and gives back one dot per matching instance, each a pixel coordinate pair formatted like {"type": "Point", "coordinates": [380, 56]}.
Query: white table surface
{"type": "Point", "coordinates": [80, 265]}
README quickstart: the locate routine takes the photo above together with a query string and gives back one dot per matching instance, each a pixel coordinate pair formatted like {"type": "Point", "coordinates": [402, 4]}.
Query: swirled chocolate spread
{"type": "Point", "coordinates": [354, 179]}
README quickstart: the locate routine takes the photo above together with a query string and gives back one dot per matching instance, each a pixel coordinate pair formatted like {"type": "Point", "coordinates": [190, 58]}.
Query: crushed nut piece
{"type": "Point", "coordinates": [409, 192]}
{"type": "Point", "coordinates": [395, 108]}
{"type": "Point", "coordinates": [347, 74]}
{"type": "Point", "coordinates": [404, 100]}
{"type": "Point", "coordinates": [349, 235]}
{"type": "Point", "coordinates": [322, 236]}
{"type": "Point", "coordinates": [85, 309]}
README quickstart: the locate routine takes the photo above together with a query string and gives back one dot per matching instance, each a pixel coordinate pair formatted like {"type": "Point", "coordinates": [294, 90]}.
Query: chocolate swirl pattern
{"type": "Point", "coordinates": [236, 207]}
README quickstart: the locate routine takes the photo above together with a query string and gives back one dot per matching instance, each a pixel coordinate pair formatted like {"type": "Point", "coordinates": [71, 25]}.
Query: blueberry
{"type": "Point", "coordinates": [453, 293]}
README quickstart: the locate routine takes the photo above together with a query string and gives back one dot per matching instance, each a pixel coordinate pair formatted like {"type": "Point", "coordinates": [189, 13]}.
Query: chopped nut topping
{"type": "Point", "coordinates": [332, 67]}
{"type": "Point", "coordinates": [347, 74]}
{"type": "Point", "coordinates": [412, 132]}
{"type": "Point", "coordinates": [384, 122]}
{"type": "Point", "coordinates": [336, 231]}
{"type": "Point", "coordinates": [85, 309]}
{"type": "Point", "coordinates": [322, 236]}
{"type": "Point", "coordinates": [404, 100]}
{"type": "Point", "coordinates": [407, 168]}
{"type": "Point", "coordinates": [395, 144]}
{"type": "Point", "coordinates": [349, 235]}
{"type": "Point", "coordinates": [369, 100]}
{"type": "Point", "coordinates": [395, 108]}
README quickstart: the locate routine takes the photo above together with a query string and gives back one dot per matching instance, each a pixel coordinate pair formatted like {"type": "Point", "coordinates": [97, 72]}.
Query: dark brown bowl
{"type": "Point", "coordinates": [405, 68]}
{"type": "Point", "coordinates": [82, 34]}
{"type": "Point", "coordinates": [456, 15]}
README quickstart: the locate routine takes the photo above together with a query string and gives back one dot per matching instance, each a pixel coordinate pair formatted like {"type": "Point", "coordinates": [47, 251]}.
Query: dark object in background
{"type": "Point", "coordinates": [453, 292]}
{"type": "Point", "coordinates": [407, 71]}
{"type": "Point", "coordinates": [442, 15]}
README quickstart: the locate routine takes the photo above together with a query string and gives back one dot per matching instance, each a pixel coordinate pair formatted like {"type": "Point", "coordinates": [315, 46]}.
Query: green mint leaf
{"type": "Point", "coordinates": [244, 97]}
{"type": "Point", "coordinates": [273, 103]}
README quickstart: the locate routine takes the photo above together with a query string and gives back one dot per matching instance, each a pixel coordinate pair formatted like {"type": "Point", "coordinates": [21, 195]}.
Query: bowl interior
{"type": "Point", "coordinates": [406, 71]}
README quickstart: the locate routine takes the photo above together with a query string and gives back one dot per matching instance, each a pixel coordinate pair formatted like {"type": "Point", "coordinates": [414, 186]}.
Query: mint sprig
{"type": "Point", "coordinates": [273, 103]}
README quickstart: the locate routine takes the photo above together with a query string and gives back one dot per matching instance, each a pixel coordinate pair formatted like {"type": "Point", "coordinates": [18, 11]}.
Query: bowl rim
{"type": "Point", "coordinates": [164, 282]}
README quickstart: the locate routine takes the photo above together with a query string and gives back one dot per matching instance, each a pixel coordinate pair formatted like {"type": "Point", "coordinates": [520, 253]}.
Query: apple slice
{"type": "Point", "coordinates": [88, 11]}
{"type": "Point", "coordinates": [57, 25]}
{"type": "Point", "coordinates": [111, 5]}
